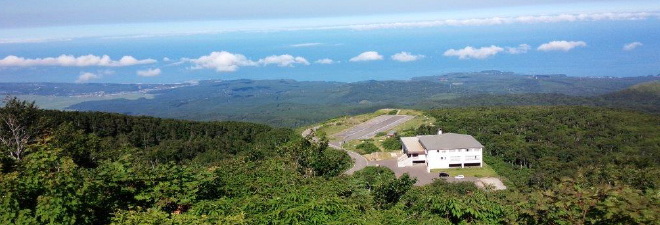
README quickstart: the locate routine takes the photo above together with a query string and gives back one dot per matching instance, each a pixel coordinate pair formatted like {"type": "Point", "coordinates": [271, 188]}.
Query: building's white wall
{"type": "Point", "coordinates": [418, 157]}
{"type": "Point", "coordinates": [441, 159]}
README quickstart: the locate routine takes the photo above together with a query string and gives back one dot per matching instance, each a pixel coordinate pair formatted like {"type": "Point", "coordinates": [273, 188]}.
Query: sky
{"type": "Point", "coordinates": [176, 41]}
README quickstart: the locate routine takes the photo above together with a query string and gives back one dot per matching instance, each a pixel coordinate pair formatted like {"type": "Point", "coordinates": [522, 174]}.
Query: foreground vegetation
{"type": "Point", "coordinates": [569, 165]}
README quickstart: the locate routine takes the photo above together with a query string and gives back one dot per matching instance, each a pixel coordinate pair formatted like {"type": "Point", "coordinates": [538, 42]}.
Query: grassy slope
{"type": "Point", "coordinates": [652, 87]}
{"type": "Point", "coordinates": [485, 171]}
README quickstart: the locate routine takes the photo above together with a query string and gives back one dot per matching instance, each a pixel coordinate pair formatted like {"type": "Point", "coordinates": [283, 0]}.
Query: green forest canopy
{"type": "Point", "coordinates": [565, 165]}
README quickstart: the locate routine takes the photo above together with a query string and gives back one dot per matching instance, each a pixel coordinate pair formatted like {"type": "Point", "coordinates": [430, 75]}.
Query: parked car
{"type": "Point", "coordinates": [443, 174]}
{"type": "Point", "coordinates": [459, 177]}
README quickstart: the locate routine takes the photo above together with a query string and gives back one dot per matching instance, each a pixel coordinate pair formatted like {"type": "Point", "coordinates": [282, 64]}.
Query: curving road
{"type": "Point", "coordinates": [359, 161]}
{"type": "Point", "coordinates": [364, 130]}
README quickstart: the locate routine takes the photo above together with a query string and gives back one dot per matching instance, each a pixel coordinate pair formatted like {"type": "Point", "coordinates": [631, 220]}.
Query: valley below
{"type": "Point", "coordinates": [289, 103]}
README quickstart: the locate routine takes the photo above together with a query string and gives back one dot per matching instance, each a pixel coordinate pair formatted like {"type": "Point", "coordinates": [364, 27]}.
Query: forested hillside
{"type": "Point", "coordinates": [536, 146]}
{"type": "Point", "coordinates": [91, 168]}
{"type": "Point", "coordinates": [644, 97]}
{"type": "Point", "coordinates": [290, 103]}
{"type": "Point", "coordinates": [564, 165]}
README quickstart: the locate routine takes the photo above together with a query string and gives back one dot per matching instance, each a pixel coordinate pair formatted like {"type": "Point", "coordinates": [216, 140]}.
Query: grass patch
{"type": "Point", "coordinates": [368, 147]}
{"type": "Point", "coordinates": [358, 146]}
{"type": "Point", "coordinates": [415, 123]}
{"type": "Point", "coordinates": [485, 171]}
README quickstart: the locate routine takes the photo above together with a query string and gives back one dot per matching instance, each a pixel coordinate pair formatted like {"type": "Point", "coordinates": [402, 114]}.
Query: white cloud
{"type": "Point", "coordinates": [632, 46]}
{"type": "Point", "coordinates": [86, 77]}
{"type": "Point", "coordinates": [475, 53]}
{"type": "Point", "coordinates": [149, 72]}
{"type": "Point", "coordinates": [406, 57]}
{"type": "Point", "coordinates": [229, 62]}
{"type": "Point", "coordinates": [507, 20]}
{"type": "Point", "coordinates": [305, 45]}
{"type": "Point", "coordinates": [221, 61]}
{"type": "Point", "coordinates": [165, 59]}
{"type": "Point", "coordinates": [283, 60]}
{"type": "Point", "coordinates": [367, 56]}
{"type": "Point", "coordinates": [521, 49]}
{"type": "Point", "coordinates": [325, 61]}
{"type": "Point", "coordinates": [561, 45]}
{"type": "Point", "coordinates": [70, 60]}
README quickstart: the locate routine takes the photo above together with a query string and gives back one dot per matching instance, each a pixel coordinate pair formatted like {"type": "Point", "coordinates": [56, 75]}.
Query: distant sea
{"type": "Point", "coordinates": [603, 55]}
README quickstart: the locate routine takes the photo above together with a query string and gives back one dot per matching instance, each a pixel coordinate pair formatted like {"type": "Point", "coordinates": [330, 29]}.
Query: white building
{"type": "Point", "coordinates": [441, 151]}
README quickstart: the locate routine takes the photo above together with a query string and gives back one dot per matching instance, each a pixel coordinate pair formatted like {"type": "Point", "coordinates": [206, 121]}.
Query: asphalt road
{"type": "Point", "coordinates": [372, 127]}
{"type": "Point", "coordinates": [359, 162]}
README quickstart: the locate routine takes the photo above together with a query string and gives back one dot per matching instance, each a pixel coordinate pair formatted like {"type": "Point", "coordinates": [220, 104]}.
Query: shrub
{"type": "Point", "coordinates": [368, 147]}
{"type": "Point", "coordinates": [392, 143]}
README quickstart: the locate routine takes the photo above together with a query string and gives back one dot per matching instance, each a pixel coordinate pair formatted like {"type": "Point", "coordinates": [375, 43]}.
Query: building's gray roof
{"type": "Point", "coordinates": [448, 141]}
{"type": "Point", "coordinates": [412, 145]}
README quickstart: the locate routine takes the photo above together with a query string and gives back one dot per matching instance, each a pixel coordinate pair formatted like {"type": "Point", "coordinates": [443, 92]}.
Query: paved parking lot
{"type": "Point", "coordinates": [418, 171]}
{"type": "Point", "coordinates": [424, 178]}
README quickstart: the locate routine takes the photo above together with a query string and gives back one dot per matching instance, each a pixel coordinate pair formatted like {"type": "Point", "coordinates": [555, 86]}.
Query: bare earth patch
{"type": "Point", "coordinates": [376, 156]}
{"type": "Point", "coordinates": [488, 182]}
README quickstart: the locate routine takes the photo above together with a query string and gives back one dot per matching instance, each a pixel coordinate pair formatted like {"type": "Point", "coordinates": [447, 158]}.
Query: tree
{"type": "Point", "coordinates": [18, 126]}
{"type": "Point", "coordinates": [389, 193]}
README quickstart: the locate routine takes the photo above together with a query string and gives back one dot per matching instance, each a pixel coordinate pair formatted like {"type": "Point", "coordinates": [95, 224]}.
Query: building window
{"type": "Point", "coordinates": [414, 155]}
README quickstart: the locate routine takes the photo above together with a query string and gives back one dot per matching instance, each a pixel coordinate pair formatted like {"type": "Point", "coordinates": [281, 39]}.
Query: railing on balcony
{"type": "Point", "coordinates": [472, 157]}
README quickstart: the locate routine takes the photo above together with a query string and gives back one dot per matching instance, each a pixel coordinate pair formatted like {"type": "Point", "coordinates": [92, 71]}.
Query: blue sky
{"type": "Point", "coordinates": [17, 14]}
{"type": "Point", "coordinates": [169, 41]}
{"type": "Point", "coordinates": [44, 19]}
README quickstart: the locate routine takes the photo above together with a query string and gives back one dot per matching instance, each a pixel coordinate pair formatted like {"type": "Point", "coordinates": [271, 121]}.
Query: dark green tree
{"type": "Point", "coordinates": [388, 194]}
